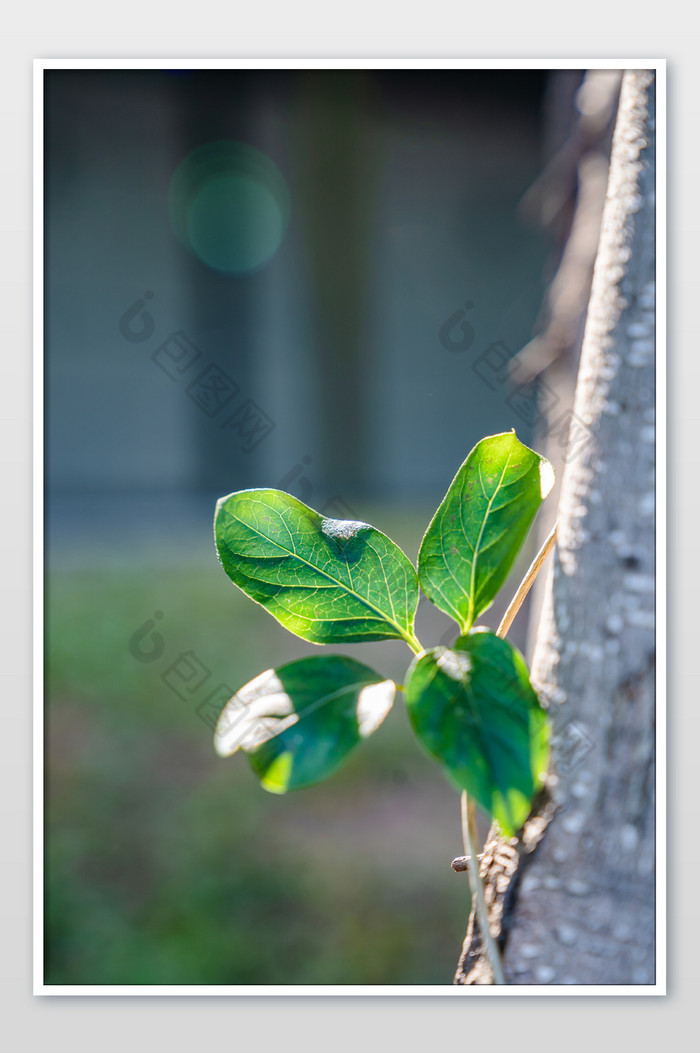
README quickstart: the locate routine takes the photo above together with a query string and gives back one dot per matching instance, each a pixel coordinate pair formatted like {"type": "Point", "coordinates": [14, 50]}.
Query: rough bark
{"type": "Point", "coordinates": [573, 896]}
{"type": "Point", "coordinates": [567, 200]}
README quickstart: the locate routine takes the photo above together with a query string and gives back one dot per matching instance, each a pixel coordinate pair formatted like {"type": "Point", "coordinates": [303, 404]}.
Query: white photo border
{"type": "Point", "coordinates": [39, 986]}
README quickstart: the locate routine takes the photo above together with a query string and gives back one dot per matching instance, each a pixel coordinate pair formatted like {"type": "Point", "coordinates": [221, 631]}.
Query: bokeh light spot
{"type": "Point", "coordinates": [229, 204]}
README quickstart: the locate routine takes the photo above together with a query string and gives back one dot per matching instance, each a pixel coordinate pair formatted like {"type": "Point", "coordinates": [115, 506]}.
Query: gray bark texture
{"type": "Point", "coordinates": [572, 898]}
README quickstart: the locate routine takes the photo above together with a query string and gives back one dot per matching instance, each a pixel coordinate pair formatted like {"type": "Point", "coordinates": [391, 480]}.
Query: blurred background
{"type": "Point", "coordinates": [323, 281]}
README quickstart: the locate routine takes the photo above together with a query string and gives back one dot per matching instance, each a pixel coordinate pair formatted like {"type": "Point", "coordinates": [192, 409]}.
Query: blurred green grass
{"type": "Point", "coordinates": [167, 865]}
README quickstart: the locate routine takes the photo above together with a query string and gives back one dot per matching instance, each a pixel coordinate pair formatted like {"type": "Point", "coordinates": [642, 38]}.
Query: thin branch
{"type": "Point", "coordinates": [470, 838]}
{"type": "Point", "coordinates": [526, 584]}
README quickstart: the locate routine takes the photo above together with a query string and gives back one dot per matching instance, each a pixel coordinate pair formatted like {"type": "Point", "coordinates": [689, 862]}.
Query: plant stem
{"type": "Point", "coordinates": [414, 644]}
{"type": "Point", "coordinates": [526, 584]}
{"type": "Point", "coordinates": [470, 838]}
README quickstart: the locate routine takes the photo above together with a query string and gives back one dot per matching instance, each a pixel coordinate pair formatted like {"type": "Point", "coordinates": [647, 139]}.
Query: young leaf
{"type": "Point", "coordinates": [327, 580]}
{"type": "Point", "coordinates": [475, 710]}
{"type": "Point", "coordinates": [476, 533]}
{"type": "Point", "coordinates": [299, 722]}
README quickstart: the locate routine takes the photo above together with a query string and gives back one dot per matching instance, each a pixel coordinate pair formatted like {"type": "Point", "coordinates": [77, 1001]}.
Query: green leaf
{"type": "Point", "coordinates": [299, 722]}
{"type": "Point", "coordinates": [476, 533]}
{"type": "Point", "coordinates": [327, 580]}
{"type": "Point", "coordinates": [475, 710]}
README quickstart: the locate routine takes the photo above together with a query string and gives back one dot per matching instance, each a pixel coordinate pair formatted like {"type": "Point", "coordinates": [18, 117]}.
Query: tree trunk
{"type": "Point", "coordinates": [573, 896]}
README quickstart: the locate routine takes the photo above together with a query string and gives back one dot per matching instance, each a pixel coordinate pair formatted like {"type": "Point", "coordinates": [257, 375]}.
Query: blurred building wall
{"type": "Point", "coordinates": [403, 189]}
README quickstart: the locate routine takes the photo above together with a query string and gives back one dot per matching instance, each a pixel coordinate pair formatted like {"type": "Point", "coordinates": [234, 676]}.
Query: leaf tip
{"type": "Point", "coordinates": [373, 704]}
{"type": "Point", "coordinates": [226, 739]}
{"type": "Point", "coordinates": [277, 777]}
{"type": "Point", "coordinates": [546, 477]}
